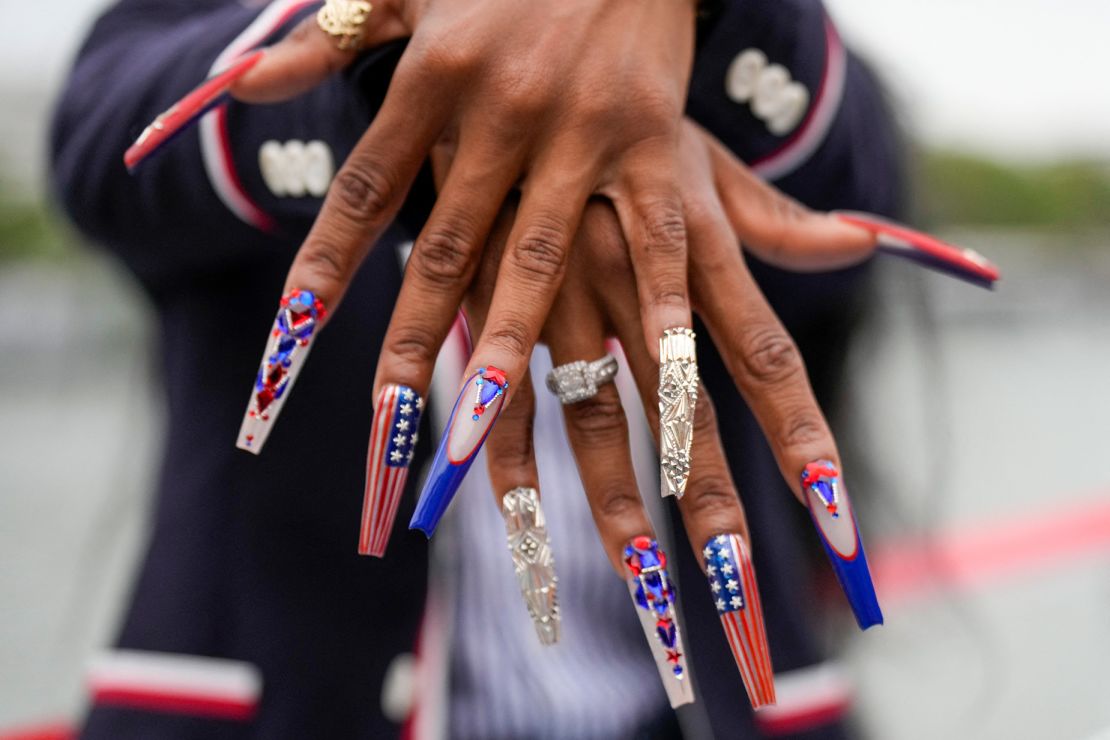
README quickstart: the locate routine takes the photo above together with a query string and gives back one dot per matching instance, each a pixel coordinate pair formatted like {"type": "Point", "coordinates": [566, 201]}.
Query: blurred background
{"type": "Point", "coordinates": [980, 421]}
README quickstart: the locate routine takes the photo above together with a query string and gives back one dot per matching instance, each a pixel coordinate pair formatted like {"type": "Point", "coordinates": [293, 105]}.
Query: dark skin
{"type": "Point", "coordinates": [568, 101]}
{"type": "Point", "coordinates": [597, 302]}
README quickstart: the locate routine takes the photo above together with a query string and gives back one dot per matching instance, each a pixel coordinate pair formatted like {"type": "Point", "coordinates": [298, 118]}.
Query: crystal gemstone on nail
{"type": "Point", "coordinates": [491, 384]}
{"type": "Point", "coordinates": [654, 592]}
{"type": "Point", "coordinates": [823, 479]}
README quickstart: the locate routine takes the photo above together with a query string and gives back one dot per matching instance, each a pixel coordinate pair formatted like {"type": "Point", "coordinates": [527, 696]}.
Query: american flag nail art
{"type": "Point", "coordinates": [393, 438]}
{"type": "Point", "coordinates": [736, 595]}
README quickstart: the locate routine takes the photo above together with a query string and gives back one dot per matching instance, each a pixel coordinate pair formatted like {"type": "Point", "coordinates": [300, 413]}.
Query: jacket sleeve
{"type": "Point", "coordinates": [244, 178]}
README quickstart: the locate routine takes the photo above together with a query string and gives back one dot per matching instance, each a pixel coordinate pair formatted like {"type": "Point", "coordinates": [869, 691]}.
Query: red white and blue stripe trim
{"type": "Point", "coordinates": [808, 138]}
{"type": "Point", "coordinates": [180, 684]}
{"type": "Point", "coordinates": [215, 143]}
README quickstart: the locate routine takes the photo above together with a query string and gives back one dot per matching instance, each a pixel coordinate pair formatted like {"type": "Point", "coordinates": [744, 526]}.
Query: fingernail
{"type": "Point", "coordinates": [533, 560]}
{"type": "Point", "coordinates": [298, 316]}
{"type": "Point", "coordinates": [902, 241]}
{"type": "Point", "coordinates": [678, 394]}
{"type": "Point", "coordinates": [836, 524]}
{"type": "Point", "coordinates": [392, 441]}
{"type": "Point", "coordinates": [184, 112]}
{"type": "Point", "coordinates": [732, 581]}
{"type": "Point", "coordinates": [475, 411]}
{"type": "Point", "coordinates": [654, 597]}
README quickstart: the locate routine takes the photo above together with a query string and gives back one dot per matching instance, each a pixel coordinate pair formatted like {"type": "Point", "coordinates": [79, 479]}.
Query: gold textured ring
{"type": "Point", "coordinates": [342, 20]}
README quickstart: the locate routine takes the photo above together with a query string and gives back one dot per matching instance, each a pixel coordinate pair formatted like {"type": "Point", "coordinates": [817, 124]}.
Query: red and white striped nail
{"type": "Point", "coordinates": [732, 581]}
{"type": "Point", "coordinates": [393, 439]}
{"type": "Point", "coordinates": [185, 112]}
{"type": "Point", "coordinates": [901, 241]}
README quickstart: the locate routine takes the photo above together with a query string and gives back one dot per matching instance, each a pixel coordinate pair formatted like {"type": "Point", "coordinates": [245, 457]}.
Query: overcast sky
{"type": "Point", "coordinates": [1016, 78]}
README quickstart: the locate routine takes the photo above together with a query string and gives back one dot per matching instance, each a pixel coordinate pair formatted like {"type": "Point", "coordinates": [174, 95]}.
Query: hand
{"type": "Point", "coordinates": [564, 101]}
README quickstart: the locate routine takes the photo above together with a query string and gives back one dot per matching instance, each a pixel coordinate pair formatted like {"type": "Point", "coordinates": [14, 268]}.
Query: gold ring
{"type": "Point", "coordinates": [342, 20]}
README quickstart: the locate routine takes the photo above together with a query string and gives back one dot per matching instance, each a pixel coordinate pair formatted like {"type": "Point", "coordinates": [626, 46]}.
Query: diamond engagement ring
{"type": "Point", "coordinates": [578, 381]}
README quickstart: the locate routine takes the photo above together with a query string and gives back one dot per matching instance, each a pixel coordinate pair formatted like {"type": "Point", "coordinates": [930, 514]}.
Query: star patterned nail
{"type": "Point", "coordinates": [901, 241]}
{"type": "Point", "coordinates": [836, 524]}
{"type": "Point", "coordinates": [654, 597]}
{"type": "Point", "coordinates": [393, 438]}
{"type": "Point", "coordinates": [298, 317]}
{"type": "Point", "coordinates": [736, 595]}
{"type": "Point", "coordinates": [182, 114]}
{"type": "Point", "coordinates": [466, 431]}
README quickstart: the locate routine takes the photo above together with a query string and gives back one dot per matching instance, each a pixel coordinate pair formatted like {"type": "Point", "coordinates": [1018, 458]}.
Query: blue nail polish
{"type": "Point", "coordinates": [836, 524]}
{"type": "Point", "coordinates": [466, 432]}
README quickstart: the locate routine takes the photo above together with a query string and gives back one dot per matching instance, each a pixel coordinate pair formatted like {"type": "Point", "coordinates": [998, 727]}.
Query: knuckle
{"type": "Point", "coordinates": [364, 191]}
{"type": "Point", "coordinates": [542, 250]}
{"type": "Point", "coordinates": [711, 497]}
{"type": "Point", "coordinates": [326, 260]}
{"type": "Point", "coordinates": [668, 293]}
{"type": "Point", "coordinates": [512, 336]}
{"type": "Point", "coordinates": [515, 450]}
{"type": "Point", "coordinates": [655, 109]}
{"type": "Point", "coordinates": [414, 346]}
{"type": "Point", "coordinates": [443, 257]}
{"type": "Point", "coordinates": [617, 500]}
{"type": "Point", "coordinates": [770, 355]}
{"type": "Point", "coordinates": [598, 421]}
{"type": "Point", "coordinates": [438, 56]}
{"type": "Point", "coordinates": [665, 229]}
{"type": "Point", "coordinates": [803, 429]}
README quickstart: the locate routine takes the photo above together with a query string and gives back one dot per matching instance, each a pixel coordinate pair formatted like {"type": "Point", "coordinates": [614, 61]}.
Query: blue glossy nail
{"type": "Point", "coordinates": [836, 524]}
{"type": "Point", "coordinates": [466, 432]}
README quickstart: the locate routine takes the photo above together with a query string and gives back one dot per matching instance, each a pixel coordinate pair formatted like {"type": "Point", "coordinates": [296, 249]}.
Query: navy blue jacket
{"type": "Point", "coordinates": [253, 558]}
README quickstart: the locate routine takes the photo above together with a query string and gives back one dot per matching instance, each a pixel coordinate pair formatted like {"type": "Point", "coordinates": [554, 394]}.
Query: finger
{"type": "Point", "coordinates": [772, 226]}
{"type": "Point", "coordinates": [527, 280]}
{"type": "Point", "coordinates": [784, 233]}
{"type": "Point", "coordinates": [767, 367]}
{"type": "Point", "coordinates": [712, 515]}
{"type": "Point", "coordinates": [361, 202]}
{"type": "Point", "coordinates": [439, 269]}
{"type": "Point", "coordinates": [306, 57]}
{"type": "Point", "coordinates": [598, 433]}
{"type": "Point", "coordinates": [652, 216]}
{"type": "Point", "coordinates": [511, 460]}
{"type": "Point", "coordinates": [650, 210]}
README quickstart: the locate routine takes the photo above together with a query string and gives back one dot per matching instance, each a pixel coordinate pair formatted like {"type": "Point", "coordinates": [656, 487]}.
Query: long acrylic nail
{"type": "Point", "coordinates": [533, 560]}
{"type": "Point", "coordinates": [466, 431]}
{"type": "Point", "coordinates": [901, 241]}
{"type": "Point", "coordinates": [393, 438]}
{"type": "Point", "coordinates": [678, 395]}
{"type": "Point", "coordinates": [290, 340]}
{"type": "Point", "coordinates": [654, 596]}
{"type": "Point", "coordinates": [183, 113]}
{"type": "Point", "coordinates": [836, 523]}
{"type": "Point", "coordinates": [732, 581]}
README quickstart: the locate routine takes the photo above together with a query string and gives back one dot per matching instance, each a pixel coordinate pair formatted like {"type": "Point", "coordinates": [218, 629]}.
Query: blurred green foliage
{"type": "Point", "coordinates": [965, 190]}
{"type": "Point", "coordinates": [29, 228]}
